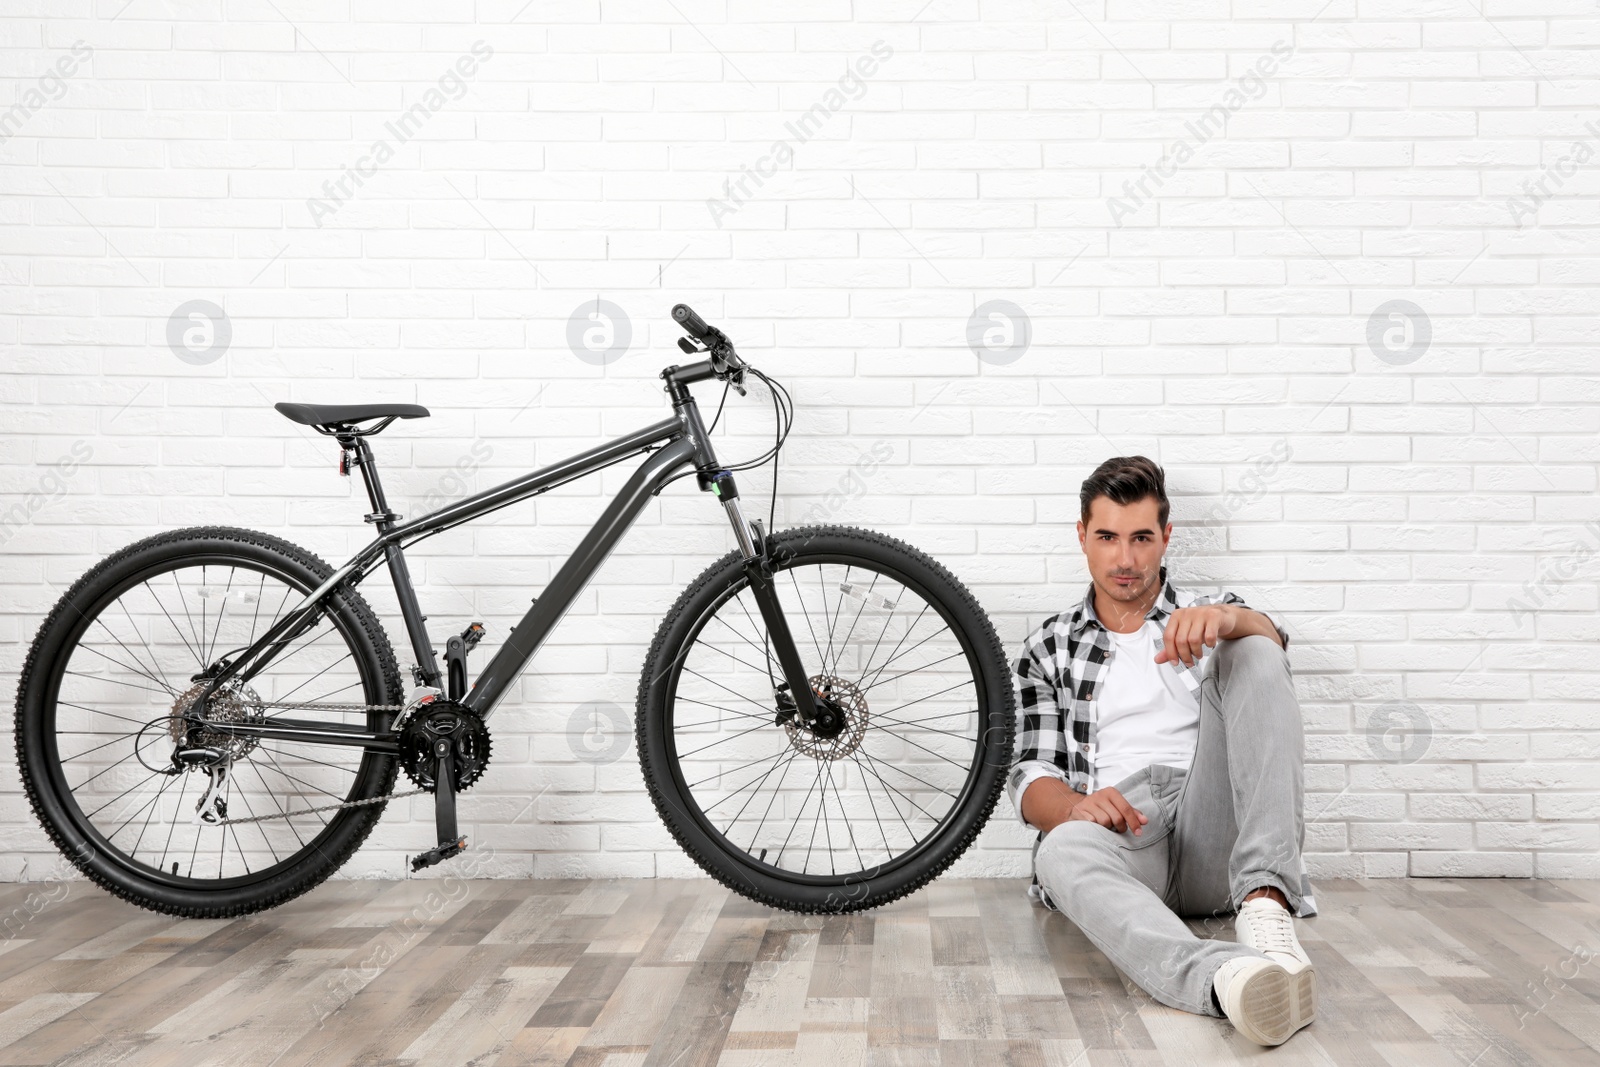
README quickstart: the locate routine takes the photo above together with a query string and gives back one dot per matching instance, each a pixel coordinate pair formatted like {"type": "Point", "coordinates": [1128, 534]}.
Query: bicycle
{"type": "Point", "coordinates": [202, 743]}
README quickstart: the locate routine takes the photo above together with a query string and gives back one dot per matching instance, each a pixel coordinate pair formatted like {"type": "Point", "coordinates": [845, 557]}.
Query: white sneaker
{"type": "Point", "coordinates": [1257, 996]}
{"type": "Point", "coordinates": [1265, 924]}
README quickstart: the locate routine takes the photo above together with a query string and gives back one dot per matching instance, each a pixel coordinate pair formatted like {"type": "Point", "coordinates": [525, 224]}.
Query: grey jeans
{"type": "Point", "coordinates": [1230, 824]}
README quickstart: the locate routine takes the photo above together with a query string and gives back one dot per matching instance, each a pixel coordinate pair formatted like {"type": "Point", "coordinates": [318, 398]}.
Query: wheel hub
{"type": "Point", "coordinates": [840, 724]}
{"type": "Point", "coordinates": [229, 705]}
{"type": "Point", "coordinates": [461, 732]}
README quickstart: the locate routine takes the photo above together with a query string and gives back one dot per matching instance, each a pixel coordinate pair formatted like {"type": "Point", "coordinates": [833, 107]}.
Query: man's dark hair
{"type": "Point", "coordinates": [1126, 479]}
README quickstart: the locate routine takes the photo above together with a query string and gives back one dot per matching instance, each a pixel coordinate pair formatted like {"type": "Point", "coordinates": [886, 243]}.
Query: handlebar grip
{"type": "Point", "coordinates": [692, 324]}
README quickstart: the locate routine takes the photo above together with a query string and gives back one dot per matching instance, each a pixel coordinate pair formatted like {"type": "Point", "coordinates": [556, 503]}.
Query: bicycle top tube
{"type": "Point", "coordinates": [535, 482]}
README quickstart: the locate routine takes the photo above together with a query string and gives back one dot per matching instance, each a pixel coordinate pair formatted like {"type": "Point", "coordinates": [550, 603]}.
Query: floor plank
{"type": "Point", "coordinates": [661, 973]}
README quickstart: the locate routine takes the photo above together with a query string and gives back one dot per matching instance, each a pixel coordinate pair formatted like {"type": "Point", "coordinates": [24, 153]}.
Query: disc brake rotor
{"type": "Point", "coordinates": [843, 698]}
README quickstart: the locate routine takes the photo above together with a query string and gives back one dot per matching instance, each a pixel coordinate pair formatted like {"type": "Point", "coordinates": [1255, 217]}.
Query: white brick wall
{"type": "Point", "coordinates": [1426, 528]}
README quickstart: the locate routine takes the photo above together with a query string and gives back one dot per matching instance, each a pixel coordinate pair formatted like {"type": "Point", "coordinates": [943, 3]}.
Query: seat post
{"type": "Point", "coordinates": [381, 515]}
{"type": "Point", "coordinates": [426, 672]}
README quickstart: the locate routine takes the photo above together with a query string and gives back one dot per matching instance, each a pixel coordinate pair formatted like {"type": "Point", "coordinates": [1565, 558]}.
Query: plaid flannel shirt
{"type": "Point", "coordinates": [1055, 679]}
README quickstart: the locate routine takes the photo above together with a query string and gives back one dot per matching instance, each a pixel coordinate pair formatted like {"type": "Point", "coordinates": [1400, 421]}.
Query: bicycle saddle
{"type": "Point", "coordinates": [343, 414]}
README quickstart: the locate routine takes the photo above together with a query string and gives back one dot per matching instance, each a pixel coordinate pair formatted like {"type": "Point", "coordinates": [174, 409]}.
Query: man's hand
{"type": "Point", "coordinates": [1190, 631]}
{"type": "Point", "coordinates": [1049, 802]}
{"type": "Point", "coordinates": [1110, 809]}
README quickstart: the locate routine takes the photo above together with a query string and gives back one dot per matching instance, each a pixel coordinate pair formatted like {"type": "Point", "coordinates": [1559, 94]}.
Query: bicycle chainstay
{"type": "Point", "coordinates": [314, 706]}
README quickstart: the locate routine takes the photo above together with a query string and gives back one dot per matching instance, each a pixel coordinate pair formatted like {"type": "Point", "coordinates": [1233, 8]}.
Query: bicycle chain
{"type": "Point", "coordinates": [326, 807]}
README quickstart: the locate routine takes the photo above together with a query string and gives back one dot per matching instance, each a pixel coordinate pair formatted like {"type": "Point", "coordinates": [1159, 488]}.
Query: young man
{"type": "Point", "coordinates": [1160, 760]}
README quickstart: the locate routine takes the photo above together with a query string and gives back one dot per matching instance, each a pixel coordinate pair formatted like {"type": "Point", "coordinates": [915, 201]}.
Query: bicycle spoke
{"type": "Point", "coordinates": [150, 652]}
{"type": "Point", "coordinates": [285, 697]}
{"type": "Point", "coordinates": [726, 797]}
{"type": "Point", "coordinates": [793, 754]}
{"type": "Point", "coordinates": [97, 748]}
{"type": "Point", "coordinates": [931, 752]}
{"type": "Point", "coordinates": [112, 714]}
{"type": "Point", "coordinates": [742, 714]}
{"type": "Point", "coordinates": [731, 656]}
{"type": "Point", "coordinates": [785, 758]}
{"type": "Point", "coordinates": [805, 865]}
{"type": "Point", "coordinates": [844, 821]}
{"type": "Point", "coordinates": [766, 652]}
{"type": "Point", "coordinates": [930, 696]}
{"type": "Point", "coordinates": [273, 797]}
{"type": "Point", "coordinates": [914, 670]}
{"type": "Point", "coordinates": [719, 685]}
{"type": "Point", "coordinates": [166, 846]}
{"type": "Point", "coordinates": [714, 744]}
{"type": "Point", "coordinates": [147, 805]}
{"type": "Point", "coordinates": [908, 774]}
{"type": "Point", "coordinates": [221, 611]}
{"type": "Point", "coordinates": [273, 759]}
{"type": "Point", "coordinates": [894, 653]}
{"type": "Point", "coordinates": [864, 599]}
{"type": "Point", "coordinates": [795, 582]}
{"type": "Point", "coordinates": [766, 638]}
{"type": "Point", "coordinates": [822, 586]}
{"type": "Point", "coordinates": [881, 831]}
{"type": "Point", "coordinates": [170, 691]}
{"type": "Point", "coordinates": [175, 627]}
{"type": "Point", "coordinates": [188, 617]}
{"type": "Point", "coordinates": [140, 669]}
{"type": "Point", "coordinates": [115, 681]}
{"type": "Point", "coordinates": [888, 786]}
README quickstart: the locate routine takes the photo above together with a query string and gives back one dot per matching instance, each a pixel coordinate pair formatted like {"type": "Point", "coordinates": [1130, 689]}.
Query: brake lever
{"type": "Point", "coordinates": [720, 361]}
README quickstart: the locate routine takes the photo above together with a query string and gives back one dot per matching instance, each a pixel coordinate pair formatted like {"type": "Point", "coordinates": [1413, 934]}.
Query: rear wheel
{"type": "Point", "coordinates": [901, 769]}
{"type": "Point", "coordinates": [111, 685]}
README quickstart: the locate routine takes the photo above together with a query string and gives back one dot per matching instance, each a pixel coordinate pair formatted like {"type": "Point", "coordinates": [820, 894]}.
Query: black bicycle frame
{"type": "Point", "coordinates": [673, 444]}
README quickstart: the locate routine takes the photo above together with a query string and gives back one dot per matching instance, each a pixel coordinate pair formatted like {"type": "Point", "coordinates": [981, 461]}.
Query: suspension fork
{"type": "Point", "coordinates": [758, 571]}
{"type": "Point", "coordinates": [757, 562]}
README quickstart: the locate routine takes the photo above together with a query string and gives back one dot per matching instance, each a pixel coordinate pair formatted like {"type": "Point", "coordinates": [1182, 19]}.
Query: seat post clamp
{"type": "Point", "coordinates": [383, 516]}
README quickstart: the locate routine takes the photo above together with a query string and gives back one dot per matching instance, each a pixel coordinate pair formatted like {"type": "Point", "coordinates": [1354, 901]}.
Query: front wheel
{"type": "Point", "coordinates": [881, 793]}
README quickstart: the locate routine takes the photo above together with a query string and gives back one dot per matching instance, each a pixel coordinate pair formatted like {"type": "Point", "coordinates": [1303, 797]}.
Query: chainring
{"type": "Point", "coordinates": [466, 732]}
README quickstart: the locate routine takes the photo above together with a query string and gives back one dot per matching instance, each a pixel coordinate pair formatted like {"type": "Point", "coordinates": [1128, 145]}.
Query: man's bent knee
{"type": "Point", "coordinates": [1251, 652]}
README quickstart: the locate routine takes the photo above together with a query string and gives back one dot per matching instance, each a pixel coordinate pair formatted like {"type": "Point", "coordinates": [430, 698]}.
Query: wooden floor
{"type": "Point", "coordinates": [681, 973]}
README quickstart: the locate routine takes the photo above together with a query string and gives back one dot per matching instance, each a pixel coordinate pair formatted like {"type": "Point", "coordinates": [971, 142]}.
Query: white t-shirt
{"type": "Point", "coordinates": [1145, 712]}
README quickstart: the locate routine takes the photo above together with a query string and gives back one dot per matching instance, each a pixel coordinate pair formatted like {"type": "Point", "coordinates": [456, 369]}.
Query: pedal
{"type": "Point", "coordinates": [444, 851]}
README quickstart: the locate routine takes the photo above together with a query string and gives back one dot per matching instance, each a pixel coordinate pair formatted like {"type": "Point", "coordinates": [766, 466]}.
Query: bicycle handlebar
{"type": "Point", "coordinates": [724, 359]}
{"type": "Point", "coordinates": [693, 324]}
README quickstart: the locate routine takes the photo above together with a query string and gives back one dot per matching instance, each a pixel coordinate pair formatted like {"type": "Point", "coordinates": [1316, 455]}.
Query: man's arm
{"type": "Point", "coordinates": [1190, 631]}
{"type": "Point", "coordinates": [1249, 621]}
{"type": "Point", "coordinates": [1049, 802]}
{"type": "Point", "coordinates": [1041, 741]}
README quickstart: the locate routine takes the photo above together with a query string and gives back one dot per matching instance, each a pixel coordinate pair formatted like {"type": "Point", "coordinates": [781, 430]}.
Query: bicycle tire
{"type": "Point", "coordinates": [736, 868]}
{"type": "Point", "coordinates": [38, 758]}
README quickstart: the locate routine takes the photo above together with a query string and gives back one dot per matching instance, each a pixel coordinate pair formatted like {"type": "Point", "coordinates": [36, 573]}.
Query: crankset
{"type": "Point", "coordinates": [444, 748]}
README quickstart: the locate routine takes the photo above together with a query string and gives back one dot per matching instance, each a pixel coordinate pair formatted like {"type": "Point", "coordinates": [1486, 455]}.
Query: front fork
{"type": "Point", "coordinates": [758, 571]}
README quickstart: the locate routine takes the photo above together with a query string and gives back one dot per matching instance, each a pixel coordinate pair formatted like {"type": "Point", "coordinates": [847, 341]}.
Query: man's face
{"type": "Point", "coordinates": [1123, 544]}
